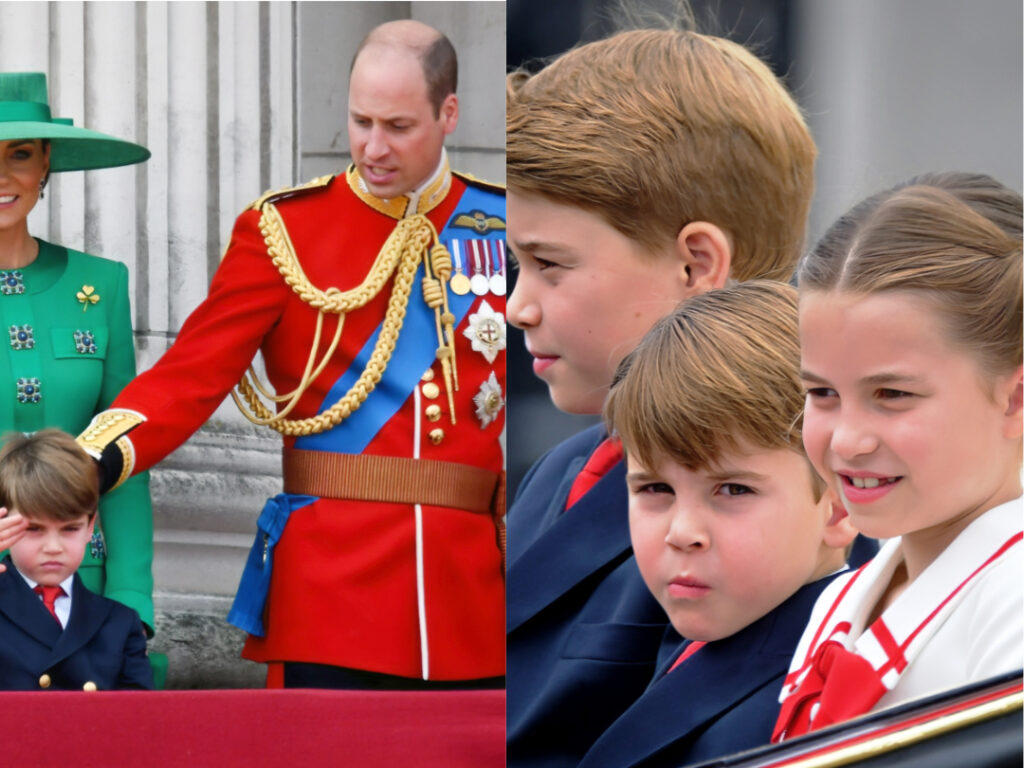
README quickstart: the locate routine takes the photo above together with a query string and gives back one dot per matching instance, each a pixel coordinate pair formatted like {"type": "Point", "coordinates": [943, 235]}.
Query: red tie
{"type": "Point", "coordinates": [607, 455]}
{"type": "Point", "coordinates": [50, 595]}
{"type": "Point", "coordinates": [688, 651]}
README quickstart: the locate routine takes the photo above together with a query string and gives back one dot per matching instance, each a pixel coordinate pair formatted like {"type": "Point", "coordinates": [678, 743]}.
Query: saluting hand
{"type": "Point", "coordinates": [12, 528]}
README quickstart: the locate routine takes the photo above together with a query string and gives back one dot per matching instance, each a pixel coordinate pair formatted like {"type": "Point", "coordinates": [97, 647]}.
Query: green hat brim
{"type": "Point", "coordinates": [76, 149]}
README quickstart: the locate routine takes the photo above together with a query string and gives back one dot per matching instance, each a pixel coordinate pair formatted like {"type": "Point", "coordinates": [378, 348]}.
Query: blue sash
{"type": "Point", "coordinates": [414, 352]}
{"type": "Point", "coordinates": [247, 610]}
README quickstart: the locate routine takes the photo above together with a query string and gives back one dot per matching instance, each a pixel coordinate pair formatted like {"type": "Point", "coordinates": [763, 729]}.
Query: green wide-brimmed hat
{"type": "Point", "coordinates": [25, 114]}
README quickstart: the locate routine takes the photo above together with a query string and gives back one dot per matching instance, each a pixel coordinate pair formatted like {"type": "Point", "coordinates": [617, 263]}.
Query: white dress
{"type": "Point", "coordinates": [960, 621]}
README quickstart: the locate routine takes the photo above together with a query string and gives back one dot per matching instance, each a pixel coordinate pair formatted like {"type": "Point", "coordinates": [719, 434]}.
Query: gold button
{"type": "Point", "coordinates": [44, 681]}
{"type": "Point", "coordinates": [431, 390]}
{"type": "Point", "coordinates": [436, 436]}
{"type": "Point", "coordinates": [89, 686]}
{"type": "Point", "coordinates": [433, 412]}
{"type": "Point", "coordinates": [428, 375]}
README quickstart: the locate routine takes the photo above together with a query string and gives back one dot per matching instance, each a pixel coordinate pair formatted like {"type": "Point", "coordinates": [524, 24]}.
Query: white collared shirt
{"type": "Point", "coordinates": [62, 605]}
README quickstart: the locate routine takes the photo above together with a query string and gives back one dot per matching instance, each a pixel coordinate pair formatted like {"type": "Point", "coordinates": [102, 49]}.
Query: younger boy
{"type": "Point", "coordinates": [732, 530]}
{"type": "Point", "coordinates": [54, 633]}
{"type": "Point", "coordinates": [642, 170]}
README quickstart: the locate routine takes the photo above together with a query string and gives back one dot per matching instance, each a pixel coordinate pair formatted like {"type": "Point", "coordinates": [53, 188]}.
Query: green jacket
{"type": "Point", "coordinates": [76, 353]}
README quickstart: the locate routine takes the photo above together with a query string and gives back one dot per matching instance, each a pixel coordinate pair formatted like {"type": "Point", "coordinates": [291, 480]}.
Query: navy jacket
{"type": "Point", "coordinates": [721, 700]}
{"type": "Point", "coordinates": [103, 641]}
{"type": "Point", "coordinates": [584, 633]}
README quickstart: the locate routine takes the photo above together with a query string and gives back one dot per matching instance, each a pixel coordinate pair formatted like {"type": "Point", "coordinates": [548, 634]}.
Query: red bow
{"type": "Point", "coordinates": [839, 685]}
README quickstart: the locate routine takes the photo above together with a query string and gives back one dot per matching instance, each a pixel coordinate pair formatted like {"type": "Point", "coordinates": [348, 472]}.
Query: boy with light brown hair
{"type": "Point", "coordinates": [56, 633]}
{"type": "Point", "coordinates": [733, 532]}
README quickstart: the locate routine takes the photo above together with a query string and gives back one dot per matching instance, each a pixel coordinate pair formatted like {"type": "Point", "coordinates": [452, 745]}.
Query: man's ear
{"type": "Point", "coordinates": [449, 112]}
{"type": "Point", "coordinates": [706, 252]}
{"type": "Point", "coordinates": [839, 532]}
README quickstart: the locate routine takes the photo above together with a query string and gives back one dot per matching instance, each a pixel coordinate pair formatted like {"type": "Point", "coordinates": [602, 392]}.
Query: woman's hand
{"type": "Point", "coordinates": [12, 528]}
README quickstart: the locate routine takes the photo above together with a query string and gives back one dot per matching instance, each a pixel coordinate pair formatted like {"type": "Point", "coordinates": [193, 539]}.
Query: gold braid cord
{"type": "Point", "coordinates": [401, 254]}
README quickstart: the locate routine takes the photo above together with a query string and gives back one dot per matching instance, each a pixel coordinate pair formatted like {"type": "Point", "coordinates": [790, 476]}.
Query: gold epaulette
{"type": "Point", "coordinates": [286, 192]}
{"type": "Point", "coordinates": [474, 181]}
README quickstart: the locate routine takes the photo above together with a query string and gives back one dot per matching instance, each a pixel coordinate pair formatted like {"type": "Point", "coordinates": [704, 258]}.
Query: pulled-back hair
{"type": "Point", "coordinates": [951, 238]}
{"type": "Point", "coordinates": [47, 476]}
{"type": "Point", "coordinates": [654, 129]}
{"type": "Point", "coordinates": [721, 373]}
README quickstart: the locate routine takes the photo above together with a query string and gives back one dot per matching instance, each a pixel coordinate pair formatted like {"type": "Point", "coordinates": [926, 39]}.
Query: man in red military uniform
{"type": "Point", "coordinates": [377, 300]}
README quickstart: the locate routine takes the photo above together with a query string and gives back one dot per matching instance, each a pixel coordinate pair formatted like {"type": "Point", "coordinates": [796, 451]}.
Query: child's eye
{"type": "Point", "coordinates": [893, 394]}
{"type": "Point", "coordinates": [652, 488]}
{"type": "Point", "coordinates": [735, 489]}
{"type": "Point", "coordinates": [543, 264]}
{"type": "Point", "coordinates": [817, 392]}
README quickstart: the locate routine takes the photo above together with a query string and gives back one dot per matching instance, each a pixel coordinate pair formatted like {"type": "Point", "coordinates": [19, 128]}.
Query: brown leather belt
{"type": "Point", "coordinates": [389, 479]}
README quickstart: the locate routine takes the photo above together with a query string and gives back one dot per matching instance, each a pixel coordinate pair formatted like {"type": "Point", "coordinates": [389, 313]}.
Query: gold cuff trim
{"type": "Point", "coordinates": [105, 428]}
{"type": "Point", "coordinates": [124, 444]}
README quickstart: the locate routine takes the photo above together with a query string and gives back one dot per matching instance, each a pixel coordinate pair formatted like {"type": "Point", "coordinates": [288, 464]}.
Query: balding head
{"type": "Point", "coordinates": [432, 49]}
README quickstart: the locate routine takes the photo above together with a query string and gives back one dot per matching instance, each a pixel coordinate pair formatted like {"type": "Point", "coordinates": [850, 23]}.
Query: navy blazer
{"type": "Point", "coordinates": [584, 633]}
{"type": "Point", "coordinates": [722, 700]}
{"type": "Point", "coordinates": [103, 641]}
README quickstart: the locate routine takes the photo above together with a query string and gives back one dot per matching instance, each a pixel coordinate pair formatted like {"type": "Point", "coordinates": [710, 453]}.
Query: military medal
{"type": "Point", "coordinates": [459, 282]}
{"type": "Point", "coordinates": [478, 282]}
{"type": "Point", "coordinates": [488, 401]}
{"type": "Point", "coordinates": [498, 272]}
{"type": "Point", "coordinates": [486, 331]}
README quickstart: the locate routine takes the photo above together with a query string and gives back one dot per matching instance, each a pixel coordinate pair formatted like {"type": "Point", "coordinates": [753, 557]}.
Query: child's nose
{"type": "Point", "coordinates": [687, 531]}
{"type": "Point", "coordinates": [852, 437]}
{"type": "Point", "coordinates": [522, 311]}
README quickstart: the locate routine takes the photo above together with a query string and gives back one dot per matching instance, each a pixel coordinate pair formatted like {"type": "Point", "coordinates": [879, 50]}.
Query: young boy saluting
{"type": "Point", "coordinates": [732, 530]}
{"type": "Point", "coordinates": [54, 633]}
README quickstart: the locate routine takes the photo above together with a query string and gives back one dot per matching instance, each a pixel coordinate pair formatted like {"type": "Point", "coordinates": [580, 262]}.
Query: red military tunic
{"type": "Point", "coordinates": [404, 589]}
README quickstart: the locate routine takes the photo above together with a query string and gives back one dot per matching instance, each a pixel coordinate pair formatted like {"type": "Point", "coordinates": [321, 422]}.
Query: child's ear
{"type": "Point", "coordinates": [839, 532]}
{"type": "Point", "coordinates": [1010, 390]}
{"type": "Point", "coordinates": [706, 252]}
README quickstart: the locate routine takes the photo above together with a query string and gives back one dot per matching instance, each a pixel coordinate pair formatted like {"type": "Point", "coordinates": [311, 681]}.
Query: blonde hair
{"type": "Point", "coordinates": [653, 129]}
{"type": "Point", "coordinates": [721, 371]}
{"type": "Point", "coordinates": [47, 476]}
{"type": "Point", "coordinates": [952, 238]}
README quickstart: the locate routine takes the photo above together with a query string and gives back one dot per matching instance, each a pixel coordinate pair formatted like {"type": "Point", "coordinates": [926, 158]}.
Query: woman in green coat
{"type": "Point", "coordinates": [71, 347]}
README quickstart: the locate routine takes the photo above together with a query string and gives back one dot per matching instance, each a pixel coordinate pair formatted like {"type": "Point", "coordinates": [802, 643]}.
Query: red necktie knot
{"type": "Point", "coordinates": [606, 456]}
{"type": "Point", "coordinates": [50, 595]}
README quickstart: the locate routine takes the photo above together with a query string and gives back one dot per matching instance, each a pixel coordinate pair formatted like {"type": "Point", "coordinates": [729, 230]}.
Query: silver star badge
{"type": "Point", "coordinates": [486, 331]}
{"type": "Point", "coordinates": [488, 400]}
